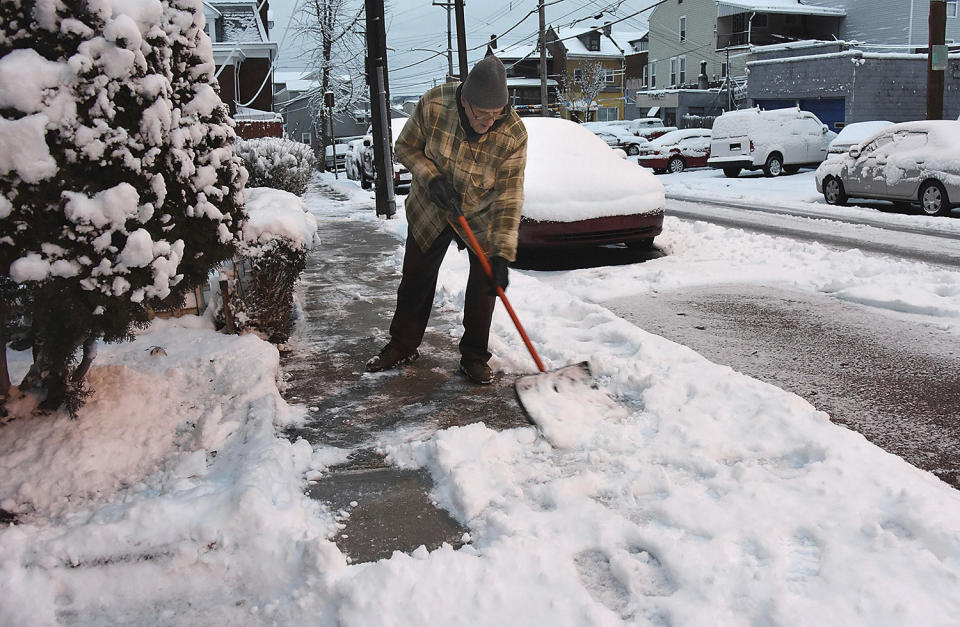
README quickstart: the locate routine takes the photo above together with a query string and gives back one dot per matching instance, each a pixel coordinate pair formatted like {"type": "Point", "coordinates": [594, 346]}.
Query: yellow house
{"type": "Point", "coordinates": [590, 64]}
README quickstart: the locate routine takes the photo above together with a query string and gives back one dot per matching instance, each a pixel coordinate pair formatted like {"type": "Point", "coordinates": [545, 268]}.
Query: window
{"type": "Point", "coordinates": [723, 69]}
{"type": "Point", "coordinates": [645, 75]}
{"type": "Point", "coordinates": [609, 77]}
{"type": "Point", "coordinates": [306, 138]}
{"type": "Point", "coordinates": [608, 114]}
{"type": "Point", "coordinates": [653, 75]}
{"type": "Point", "coordinates": [683, 70]}
{"type": "Point", "coordinates": [683, 29]}
{"type": "Point", "coordinates": [952, 10]}
{"type": "Point", "coordinates": [673, 71]}
{"type": "Point", "coordinates": [577, 75]}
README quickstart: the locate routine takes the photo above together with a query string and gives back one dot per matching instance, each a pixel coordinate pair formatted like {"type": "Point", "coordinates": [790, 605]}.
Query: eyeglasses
{"type": "Point", "coordinates": [487, 117]}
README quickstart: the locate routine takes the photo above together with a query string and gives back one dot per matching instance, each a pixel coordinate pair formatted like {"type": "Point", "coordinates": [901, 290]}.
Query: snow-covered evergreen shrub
{"type": "Point", "coordinates": [277, 163]}
{"type": "Point", "coordinates": [276, 239]}
{"type": "Point", "coordinates": [119, 186]}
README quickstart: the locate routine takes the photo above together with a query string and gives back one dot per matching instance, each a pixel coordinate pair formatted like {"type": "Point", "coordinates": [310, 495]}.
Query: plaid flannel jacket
{"type": "Point", "coordinates": [487, 173]}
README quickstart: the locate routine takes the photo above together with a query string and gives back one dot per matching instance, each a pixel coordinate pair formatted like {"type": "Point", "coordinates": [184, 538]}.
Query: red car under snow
{"type": "Point", "coordinates": [677, 150]}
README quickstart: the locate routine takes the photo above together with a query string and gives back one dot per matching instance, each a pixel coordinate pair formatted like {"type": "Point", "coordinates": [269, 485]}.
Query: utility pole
{"type": "Point", "coordinates": [447, 6]}
{"type": "Point", "coordinates": [729, 95]}
{"type": "Point", "coordinates": [543, 59]}
{"type": "Point", "coordinates": [328, 102]}
{"type": "Point", "coordinates": [380, 114]}
{"type": "Point", "coordinates": [936, 59]}
{"type": "Point", "coordinates": [461, 40]}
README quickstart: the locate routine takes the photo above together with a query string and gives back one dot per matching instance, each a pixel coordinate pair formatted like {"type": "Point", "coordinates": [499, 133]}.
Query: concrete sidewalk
{"type": "Point", "coordinates": [347, 294]}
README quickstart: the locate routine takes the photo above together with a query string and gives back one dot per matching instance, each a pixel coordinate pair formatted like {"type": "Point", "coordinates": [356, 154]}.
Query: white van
{"type": "Point", "coordinates": [777, 141]}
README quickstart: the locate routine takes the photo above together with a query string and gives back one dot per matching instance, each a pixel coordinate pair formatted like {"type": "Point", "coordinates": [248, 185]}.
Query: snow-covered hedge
{"type": "Point", "coordinates": [276, 240]}
{"type": "Point", "coordinates": [277, 163]}
{"type": "Point", "coordinates": [119, 185]}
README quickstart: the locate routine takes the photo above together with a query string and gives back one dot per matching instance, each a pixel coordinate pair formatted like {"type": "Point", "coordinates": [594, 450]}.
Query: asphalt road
{"type": "Point", "coordinates": [892, 379]}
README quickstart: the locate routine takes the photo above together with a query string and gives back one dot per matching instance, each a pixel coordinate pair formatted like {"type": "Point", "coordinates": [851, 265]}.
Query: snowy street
{"type": "Point", "coordinates": [705, 497]}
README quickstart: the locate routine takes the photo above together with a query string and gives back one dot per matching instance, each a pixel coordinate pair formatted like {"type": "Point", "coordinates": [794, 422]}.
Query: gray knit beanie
{"type": "Point", "coordinates": [486, 84]}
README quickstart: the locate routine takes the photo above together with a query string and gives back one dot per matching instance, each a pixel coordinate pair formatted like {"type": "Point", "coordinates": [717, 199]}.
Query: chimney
{"type": "Point", "coordinates": [702, 81]}
{"type": "Point", "coordinates": [606, 28]}
{"type": "Point", "coordinates": [493, 42]}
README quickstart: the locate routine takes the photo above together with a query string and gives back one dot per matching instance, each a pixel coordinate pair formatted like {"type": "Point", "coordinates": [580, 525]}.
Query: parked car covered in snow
{"type": "Point", "coordinates": [854, 134]}
{"type": "Point", "coordinates": [579, 193]}
{"type": "Point", "coordinates": [912, 162]}
{"type": "Point", "coordinates": [352, 158]}
{"type": "Point", "coordinates": [401, 175]}
{"type": "Point", "coordinates": [677, 150]}
{"type": "Point", "coordinates": [778, 141]}
{"type": "Point", "coordinates": [618, 138]}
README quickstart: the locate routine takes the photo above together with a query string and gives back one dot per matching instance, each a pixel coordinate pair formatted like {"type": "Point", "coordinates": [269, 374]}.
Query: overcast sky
{"type": "Point", "coordinates": [418, 24]}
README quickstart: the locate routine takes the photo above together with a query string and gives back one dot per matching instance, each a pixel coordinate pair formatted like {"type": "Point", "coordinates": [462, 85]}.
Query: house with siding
{"type": "Point", "coordinates": [244, 57]}
{"type": "Point", "coordinates": [795, 54]}
{"type": "Point", "coordinates": [572, 49]}
{"type": "Point", "coordinates": [522, 62]}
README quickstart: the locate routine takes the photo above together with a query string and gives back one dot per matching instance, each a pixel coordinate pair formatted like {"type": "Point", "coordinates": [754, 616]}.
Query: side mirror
{"type": "Point", "coordinates": [854, 151]}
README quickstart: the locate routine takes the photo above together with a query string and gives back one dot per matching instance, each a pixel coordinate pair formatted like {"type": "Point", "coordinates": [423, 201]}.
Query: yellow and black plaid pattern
{"type": "Point", "coordinates": [487, 173]}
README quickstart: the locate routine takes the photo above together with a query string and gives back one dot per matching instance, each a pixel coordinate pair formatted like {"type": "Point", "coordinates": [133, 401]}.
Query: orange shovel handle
{"type": "Point", "coordinates": [475, 245]}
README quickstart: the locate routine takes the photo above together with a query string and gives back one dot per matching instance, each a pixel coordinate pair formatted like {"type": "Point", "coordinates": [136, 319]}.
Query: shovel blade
{"type": "Point", "coordinates": [565, 404]}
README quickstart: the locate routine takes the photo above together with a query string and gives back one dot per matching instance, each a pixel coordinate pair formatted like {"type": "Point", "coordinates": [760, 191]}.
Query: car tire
{"type": "Point", "coordinates": [731, 173]}
{"type": "Point", "coordinates": [633, 150]}
{"type": "Point", "coordinates": [676, 165]}
{"type": "Point", "coordinates": [645, 243]}
{"type": "Point", "coordinates": [933, 199]}
{"type": "Point", "coordinates": [774, 165]}
{"type": "Point", "coordinates": [791, 169]}
{"type": "Point", "coordinates": [833, 191]}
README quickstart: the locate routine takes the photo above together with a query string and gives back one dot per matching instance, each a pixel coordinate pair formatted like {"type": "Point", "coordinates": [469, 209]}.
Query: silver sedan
{"type": "Point", "coordinates": [912, 162]}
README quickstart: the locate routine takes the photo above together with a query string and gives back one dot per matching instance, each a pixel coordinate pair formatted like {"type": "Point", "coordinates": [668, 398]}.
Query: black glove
{"type": "Point", "coordinates": [442, 194]}
{"type": "Point", "coordinates": [498, 267]}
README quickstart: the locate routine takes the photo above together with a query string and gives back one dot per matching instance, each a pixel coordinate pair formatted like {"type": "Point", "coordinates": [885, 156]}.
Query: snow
{"type": "Point", "coordinates": [856, 133]}
{"type": "Point", "coordinates": [572, 174]}
{"type": "Point", "coordinates": [23, 148]}
{"type": "Point", "coordinates": [708, 498]}
{"type": "Point", "coordinates": [275, 213]}
{"type": "Point", "coordinates": [24, 75]}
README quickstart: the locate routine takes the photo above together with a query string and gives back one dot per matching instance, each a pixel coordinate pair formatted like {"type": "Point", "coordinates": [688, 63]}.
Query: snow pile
{"type": "Point", "coordinates": [273, 214]}
{"type": "Point", "coordinates": [572, 175]}
{"type": "Point", "coordinates": [171, 487]}
{"type": "Point", "coordinates": [277, 162]}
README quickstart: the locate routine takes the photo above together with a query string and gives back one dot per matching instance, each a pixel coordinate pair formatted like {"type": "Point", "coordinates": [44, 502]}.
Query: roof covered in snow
{"type": "Point", "coordinates": [241, 22]}
{"type": "Point", "coordinates": [733, 7]}
{"type": "Point", "coordinates": [611, 46]}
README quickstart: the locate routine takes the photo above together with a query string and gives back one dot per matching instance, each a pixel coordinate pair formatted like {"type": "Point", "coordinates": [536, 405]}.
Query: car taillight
{"type": "Point", "coordinates": [751, 146]}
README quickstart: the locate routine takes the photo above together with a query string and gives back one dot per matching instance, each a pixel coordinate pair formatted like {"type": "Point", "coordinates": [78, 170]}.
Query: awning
{"type": "Point", "coordinates": [792, 7]}
{"type": "Point", "coordinates": [652, 113]}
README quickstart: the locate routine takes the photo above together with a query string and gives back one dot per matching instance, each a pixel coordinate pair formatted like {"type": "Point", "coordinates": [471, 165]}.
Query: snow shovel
{"type": "Point", "coordinates": [546, 398]}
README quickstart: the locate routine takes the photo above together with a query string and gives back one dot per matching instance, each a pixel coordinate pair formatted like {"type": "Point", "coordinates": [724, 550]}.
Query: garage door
{"type": "Point", "coordinates": [829, 110]}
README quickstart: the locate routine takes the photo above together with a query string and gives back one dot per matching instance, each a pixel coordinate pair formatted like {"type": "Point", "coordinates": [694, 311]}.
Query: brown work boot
{"type": "Point", "coordinates": [476, 370]}
{"type": "Point", "coordinates": [391, 356]}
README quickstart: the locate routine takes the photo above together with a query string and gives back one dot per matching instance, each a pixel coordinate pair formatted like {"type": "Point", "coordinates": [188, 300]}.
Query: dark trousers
{"type": "Point", "coordinates": [415, 299]}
